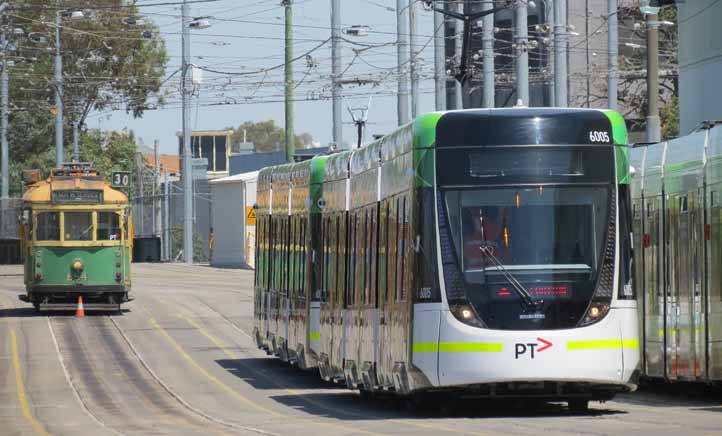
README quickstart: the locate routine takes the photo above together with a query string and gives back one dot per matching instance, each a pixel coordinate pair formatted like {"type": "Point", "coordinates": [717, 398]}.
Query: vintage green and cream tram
{"type": "Point", "coordinates": [77, 241]}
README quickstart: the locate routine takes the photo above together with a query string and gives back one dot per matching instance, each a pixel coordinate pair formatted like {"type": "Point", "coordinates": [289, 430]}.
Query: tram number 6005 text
{"type": "Point", "coordinates": [596, 136]}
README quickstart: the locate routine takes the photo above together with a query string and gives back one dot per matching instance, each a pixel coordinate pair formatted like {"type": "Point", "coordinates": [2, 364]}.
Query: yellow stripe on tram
{"type": "Point", "coordinates": [314, 336]}
{"type": "Point", "coordinates": [600, 344]}
{"type": "Point", "coordinates": [458, 347]}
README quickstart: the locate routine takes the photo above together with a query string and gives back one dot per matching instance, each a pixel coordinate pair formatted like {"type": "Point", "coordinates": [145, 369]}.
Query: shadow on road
{"type": "Point", "coordinates": [30, 312]}
{"type": "Point", "coordinates": [314, 396]}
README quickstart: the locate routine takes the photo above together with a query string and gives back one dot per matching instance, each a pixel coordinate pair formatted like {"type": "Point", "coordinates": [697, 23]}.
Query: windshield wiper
{"type": "Point", "coordinates": [522, 291]}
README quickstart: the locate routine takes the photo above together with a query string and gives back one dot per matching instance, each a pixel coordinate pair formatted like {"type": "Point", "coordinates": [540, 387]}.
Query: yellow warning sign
{"type": "Point", "coordinates": [250, 216]}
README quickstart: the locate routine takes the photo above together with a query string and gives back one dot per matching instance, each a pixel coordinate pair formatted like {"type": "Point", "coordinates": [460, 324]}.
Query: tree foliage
{"type": "Point", "coordinates": [633, 83]}
{"type": "Point", "coordinates": [267, 136]}
{"type": "Point", "coordinates": [111, 60]}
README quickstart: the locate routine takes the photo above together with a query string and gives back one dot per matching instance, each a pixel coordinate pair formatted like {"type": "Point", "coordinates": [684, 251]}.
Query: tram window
{"type": "Point", "coordinates": [649, 209]}
{"type": "Point", "coordinates": [302, 241]}
{"type": "Point", "coordinates": [48, 228]}
{"type": "Point", "coordinates": [108, 226]}
{"type": "Point", "coordinates": [713, 200]}
{"type": "Point", "coordinates": [391, 251]}
{"type": "Point", "coordinates": [683, 207]}
{"type": "Point", "coordinates": [78, 226]}
{"type": "Point", "coordinates": [352, 264]}
{"type": "Point", "coordinates": [400, 290]}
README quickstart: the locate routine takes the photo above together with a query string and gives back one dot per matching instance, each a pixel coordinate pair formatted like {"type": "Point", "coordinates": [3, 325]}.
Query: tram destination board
{"type": "Point", "coordinates": [77, 196]}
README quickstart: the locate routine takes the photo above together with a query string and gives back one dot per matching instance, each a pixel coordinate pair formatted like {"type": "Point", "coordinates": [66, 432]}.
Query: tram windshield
{"type": "Point", "coordinates": [529, 255]}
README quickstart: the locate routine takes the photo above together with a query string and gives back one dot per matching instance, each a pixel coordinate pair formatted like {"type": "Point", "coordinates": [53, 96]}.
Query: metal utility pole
{"type": "Point", "coordinates": [4, 122]}
{"type": "Point", "coordinates": [58, 95]}
{"type": "Point", "coordinates": [290, 146]}
{"type": "Point", "coordinates": [654, 128]}
{"type": "Point", "coordinates": [458, 49]}
{"type": "Point", "coordinates": [613, 47]}
{"type": "Point", "coordinates": [487, 45]}
{"type": "Point", "coordinates": [186, 173]}
{"type": "Point", "coordinates": [413, 65]}
{"type": "Point", "coordinates": [560, 53]}
{"type": "Point", "coordinates": [402, 51]}
{"type": "Point", "coordinates": [549, 12]}
{"type": "Point", "coordinates": [522, 51]}
{"type": "Point", "coordinates": [76, 147]}
{"type": "Point", "coordinates": [439, 63]}
{"type": "Point", "coordinates": [156, 185]}
{"type": "Point", "coordinates": [336, 73]}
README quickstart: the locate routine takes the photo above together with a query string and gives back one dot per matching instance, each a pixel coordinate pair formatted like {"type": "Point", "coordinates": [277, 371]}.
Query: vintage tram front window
{"type": "Point", "coordinates": [78, 226]}
{"type": "Point", "coordinates": [108, 226]}
{"type": "Point", "coordinates": [48, 228]}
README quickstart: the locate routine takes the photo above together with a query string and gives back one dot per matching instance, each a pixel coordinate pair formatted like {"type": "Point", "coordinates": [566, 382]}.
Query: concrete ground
{"type": "Point", "coordinates": [180, 361]}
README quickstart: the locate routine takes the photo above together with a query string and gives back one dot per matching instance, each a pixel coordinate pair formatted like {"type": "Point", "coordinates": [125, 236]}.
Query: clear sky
{"type": "Point", "coordinates": [247, 36]}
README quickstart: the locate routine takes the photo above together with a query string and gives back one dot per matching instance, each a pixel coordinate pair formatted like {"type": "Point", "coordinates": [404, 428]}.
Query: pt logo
{"type": "Point", "coordinates": [520, 348]}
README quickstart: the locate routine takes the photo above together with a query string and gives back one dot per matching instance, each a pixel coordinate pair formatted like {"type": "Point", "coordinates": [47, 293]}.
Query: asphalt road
{"type": "Point", "coordinates": [180, 361]}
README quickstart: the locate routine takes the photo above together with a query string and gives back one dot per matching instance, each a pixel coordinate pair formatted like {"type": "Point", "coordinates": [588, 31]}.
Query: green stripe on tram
{"type": "Point", "coordinates": [457, 347]}
{"type": "Point", "coordinates": [600, 344]}
{"type": "Point", "coordinates": [314, 336]}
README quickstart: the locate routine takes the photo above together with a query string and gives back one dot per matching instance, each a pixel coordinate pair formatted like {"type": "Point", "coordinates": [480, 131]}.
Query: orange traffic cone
{"type": "Point", "coordinates": [80, 312]}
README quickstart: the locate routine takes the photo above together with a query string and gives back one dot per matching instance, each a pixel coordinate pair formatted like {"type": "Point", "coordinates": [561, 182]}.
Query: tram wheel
{"type": "Point", "coordinates": [578, 406]}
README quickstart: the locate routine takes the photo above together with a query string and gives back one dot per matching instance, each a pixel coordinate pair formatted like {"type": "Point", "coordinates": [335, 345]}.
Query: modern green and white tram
{"type": "Point", "coordinates": [677, 224]}
{"type": "Point", "coordinates": [480, 251]}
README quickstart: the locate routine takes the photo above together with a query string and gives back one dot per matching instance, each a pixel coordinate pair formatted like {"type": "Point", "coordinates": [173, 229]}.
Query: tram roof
{"type": "Point", "coordinates": [41, 191]}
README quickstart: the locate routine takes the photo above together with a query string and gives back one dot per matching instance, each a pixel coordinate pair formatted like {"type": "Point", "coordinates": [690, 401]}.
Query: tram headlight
{"type": "Point", "coordinates": [596, 311]}
{"type": "Point", "coordinates": [466, 314]}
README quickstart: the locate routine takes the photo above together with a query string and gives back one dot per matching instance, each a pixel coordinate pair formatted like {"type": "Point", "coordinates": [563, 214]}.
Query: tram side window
{"type": "Point", "coordinates": [48, 228]}
{"type": "Point", "coordinates": [78, 226]}
{"type": "Point", "coordinates": [108, 226]}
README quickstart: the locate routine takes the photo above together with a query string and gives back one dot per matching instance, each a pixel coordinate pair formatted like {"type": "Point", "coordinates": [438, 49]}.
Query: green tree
{"type": "Point", "coordinates": [633, 85]}
{"type": "Point", "coordinates": [670, 118]}
{"type": "Point", "coordinates": [267, 136]}
{"type": "Point", "coordinates": [111, 60]}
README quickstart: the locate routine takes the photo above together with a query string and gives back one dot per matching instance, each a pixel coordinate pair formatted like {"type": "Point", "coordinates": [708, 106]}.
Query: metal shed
{"type": "Point", "coordinates": [233, 220]}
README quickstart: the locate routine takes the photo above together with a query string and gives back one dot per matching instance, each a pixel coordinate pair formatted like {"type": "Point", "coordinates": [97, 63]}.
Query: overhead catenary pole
{"type": "Point", "coordinates": [654, 128]}
{"type": "Point", "coordinates": [458, 47]}
{"type": "Point", "coordinates": [186, 158]}
{"type": "Point", "coordinates": [560, 53]}
{"type": "Point", "coordinates": [4, 122]}
{"type": "Point", "coordinates": [439, 63]}
{"type": "Point", "coordinates": [290, 146]}
{"type": "Point", "coordinates": [336, 90]}
{"type": "Point", "coordinates": [58, 94]}
{"type": "Point", "coordinates": [613, 58]}
{"type": "Point", "coordinates": [402, 54]}
{"type": "Point", "coordinates": [522, 51]}
{"type": "Point", "coordinates": [413, 64]}
{"type": "Point", "coordinates": [487, 45]}
{"type": "Point", "coordinates": [76, 147]}
{"type": "Point", "coordinates": [156, 186]}
{"type": "Point", "coordinates": [549, 11]}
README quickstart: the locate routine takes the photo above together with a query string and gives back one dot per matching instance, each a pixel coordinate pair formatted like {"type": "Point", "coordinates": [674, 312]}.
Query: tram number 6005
{"type": "Point", "coordinates": [121, 179]}
{"type": "Point", "coordinates": [598, 136]}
